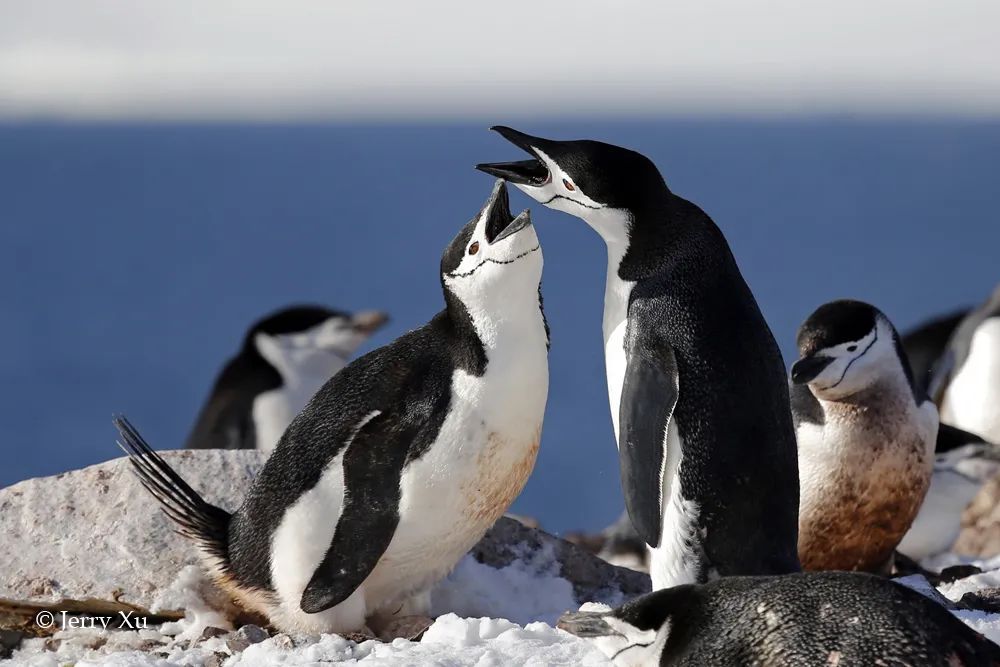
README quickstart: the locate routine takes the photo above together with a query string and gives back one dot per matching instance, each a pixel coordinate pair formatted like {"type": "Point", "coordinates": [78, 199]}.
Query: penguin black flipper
{"type": "Point", "coordinates": [950, 438]}
{"type": "Point", "coordinates": [649, 396]}
{"type": "Point", "coordinates": [376, 453]}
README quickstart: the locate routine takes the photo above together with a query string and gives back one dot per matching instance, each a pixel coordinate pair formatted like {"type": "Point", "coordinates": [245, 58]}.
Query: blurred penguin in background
{"type": "Point", "coordinates": [284, 360]}
{"type": "Point", "coordinates": [925, 343]}
{"type": "Point", "coordinates": [966, 380]}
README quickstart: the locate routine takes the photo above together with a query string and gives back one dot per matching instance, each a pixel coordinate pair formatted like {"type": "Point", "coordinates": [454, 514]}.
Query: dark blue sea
{"type": "Point", "coordinates": [132, 257]}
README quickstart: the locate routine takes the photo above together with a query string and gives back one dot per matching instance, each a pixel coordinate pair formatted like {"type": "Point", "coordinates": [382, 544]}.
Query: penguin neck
{"type": "Point", "coordinates": [503, 324]}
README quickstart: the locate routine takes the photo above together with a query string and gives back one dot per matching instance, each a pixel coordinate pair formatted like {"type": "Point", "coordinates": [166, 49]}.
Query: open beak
{"type": "Point", "coordinates": [369, 321]}
{"type": "Point", "coordinates": [522, 172]}
{"type": "Point", "coordinates": [585, 624]}
{"type": "Point", "coordinates": [806, 369]}
{"type": "Point", "coordinates": [499, 222]}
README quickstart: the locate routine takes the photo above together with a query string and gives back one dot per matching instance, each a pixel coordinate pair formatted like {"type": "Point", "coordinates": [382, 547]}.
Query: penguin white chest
{"type": "Point", "coordinates": [616, 300]}
{"type": "Point", "coordinates": [478, 464]}
{"type": "Point", "coordinates": [973, 396]}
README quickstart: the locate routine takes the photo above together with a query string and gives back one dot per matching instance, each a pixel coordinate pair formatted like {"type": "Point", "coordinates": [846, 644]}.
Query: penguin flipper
{"type": "Point", "coordinates": [649, 396]}
{"type": "Point", "coordinates": [950, 438]}
{"type": "Point", "coordinates": [373, 465]}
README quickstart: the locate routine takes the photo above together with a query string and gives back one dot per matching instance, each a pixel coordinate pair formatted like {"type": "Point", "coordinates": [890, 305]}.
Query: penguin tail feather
{"type": "Point", "coordinates": [204, 524]}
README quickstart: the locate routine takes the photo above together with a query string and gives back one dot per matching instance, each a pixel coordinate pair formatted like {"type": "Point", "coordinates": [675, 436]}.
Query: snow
{"type": "Point", "coordinates": [524, 599]}
{"type": "Point", "coordinates": [527, 590]}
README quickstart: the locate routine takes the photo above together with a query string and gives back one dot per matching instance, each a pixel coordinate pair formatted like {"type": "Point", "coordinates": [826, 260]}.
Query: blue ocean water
{"type": "Point", "coordinates": [132, 257]}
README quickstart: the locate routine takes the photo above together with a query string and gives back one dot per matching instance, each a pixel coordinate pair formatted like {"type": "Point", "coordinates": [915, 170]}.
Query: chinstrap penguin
{"type": "Point", "coordinates": [802, 619]}
{"type": "Point", "coordinates": [696, 383]}
{"type": "Point", "coordinates": [966, 380]}
{"type": "Point", "coordinates": [866, 439]}
{"type": "Point", "coordinates": [400, 463]}
{"type": "Point", "coordinates": [284, 359]}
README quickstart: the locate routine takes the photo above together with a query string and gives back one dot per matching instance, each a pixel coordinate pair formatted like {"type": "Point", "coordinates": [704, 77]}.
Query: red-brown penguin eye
{"type": "Point", "coordinates": [474, 248]}
{"type": "Point", "coordinates": [569, 186]}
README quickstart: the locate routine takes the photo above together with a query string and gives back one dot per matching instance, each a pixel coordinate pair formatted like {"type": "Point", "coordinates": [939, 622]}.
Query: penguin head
{"type": "Point", "coordinates": [495, 260]}
{"type": "Point", "coordinates": [845, 347]}
{"type": "Point", "coordinates": [311, 340]}
{"type": "Point", "coordinates": [589, 179]}
{"type": "Point", "coordinates": [636, 632]}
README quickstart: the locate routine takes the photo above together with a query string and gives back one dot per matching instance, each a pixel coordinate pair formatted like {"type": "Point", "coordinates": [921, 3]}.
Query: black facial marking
{"type": "Point", "coordinates": [835, 323]}
{"type": "Point", "coordinates": [580, 203]}
{"type": "Point", "coordinates": [489, 260]}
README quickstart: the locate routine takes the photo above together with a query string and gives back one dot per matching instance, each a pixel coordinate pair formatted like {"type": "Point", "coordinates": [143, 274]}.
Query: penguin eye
{"type": "Point", "coordinates": [474, 248]}
{"type": "Point", "coordinates": [851, 348]}
{"type": "Point", "coordinates": [569, 186]}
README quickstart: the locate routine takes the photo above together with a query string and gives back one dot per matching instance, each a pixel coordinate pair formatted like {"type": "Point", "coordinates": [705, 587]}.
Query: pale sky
{"type": "Point", "coordinates": [318, 59]}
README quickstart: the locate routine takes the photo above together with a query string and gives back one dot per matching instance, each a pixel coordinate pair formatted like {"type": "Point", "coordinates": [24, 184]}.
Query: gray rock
{"type": "Point", "coordinates": [215, 660]}
{"type": "Point", "coordinates": [592, 578]}
{"type": "Point", "coordinates": [245, 636]}
{"type": "Point", "coordinates": [97, 534]}
{"type": "Point", "coordinates": [211, 631]}
{"type": "Point", "coordinates": [980, 535]}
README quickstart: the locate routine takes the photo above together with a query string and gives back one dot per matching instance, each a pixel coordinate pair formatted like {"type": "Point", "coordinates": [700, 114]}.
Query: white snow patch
{"type": "Point", "coordinates": [187, 592]}
{"type": "Point", "coordinates": [528, 590]}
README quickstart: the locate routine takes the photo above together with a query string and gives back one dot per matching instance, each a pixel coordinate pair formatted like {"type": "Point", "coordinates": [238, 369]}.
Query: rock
{"type": "Point", "coordinates": [986, 599]}
{"type": "Point", "coordinates": [10, 641]}
{"type": "Point", "coordinates": [283, 642]}
{"type": "Point", "coordinates": [591, 577]}
{"type": "Point", "coordinates": [244, 637]}
{"type": "Point", "coordinates": [411, 628]}
{"type": "Point", "coordinates": [114, 543]}
{"type": "Point", "coordinates": [215, 660]}
{"type": "Point", "coordinates": [210, 632]}
{"type": "Point", "coordinates": [980, 536]}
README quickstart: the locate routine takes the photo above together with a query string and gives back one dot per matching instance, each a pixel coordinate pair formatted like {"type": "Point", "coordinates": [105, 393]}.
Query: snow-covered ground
{"type": "Point", "coordinates": [528, 594]}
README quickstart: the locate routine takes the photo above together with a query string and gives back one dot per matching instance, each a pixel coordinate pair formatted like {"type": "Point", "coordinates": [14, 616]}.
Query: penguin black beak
{"type": "Point", "coordinates": [499, 222]}
{"type": "Point", "coordinates": [522, 172]}
{"type": "Point", "coordinates": [806, 369]}
{"type": "Point", "coordinates": [585, 624]}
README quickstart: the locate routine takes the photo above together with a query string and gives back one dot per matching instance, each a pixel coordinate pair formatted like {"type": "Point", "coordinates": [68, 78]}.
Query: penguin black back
{"type": "Point", "coordinates": [823, 618]}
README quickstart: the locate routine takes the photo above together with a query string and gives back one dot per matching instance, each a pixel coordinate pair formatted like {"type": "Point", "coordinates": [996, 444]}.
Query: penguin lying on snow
{"type": "Point", "coordinates": [285, 358]}
{"type": "Point", "coordinates": [866, 439]}
{"type": "Point", "coordinates": [809, 618]}
{"type": "Point", "coordinates": [400, 463]}
{"type": "Point", "coordinates": [966, 380]}
{"type": "Point", "coordinates": [697, 386]}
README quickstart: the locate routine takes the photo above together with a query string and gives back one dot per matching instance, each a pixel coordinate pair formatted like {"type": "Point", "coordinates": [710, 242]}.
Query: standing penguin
{"type": "Point", "coordinates": [966, 380]}
{"type": "Point", "coordinates": [400, 463]}
{"type": "Point", "coordinates": [808, 619]}
{"type": "Point", "coordinates": [696, 383]}
{"type": "Point", "coordinates": [284, 360]}
{"type": "Point", "coordinates": [866, 439]}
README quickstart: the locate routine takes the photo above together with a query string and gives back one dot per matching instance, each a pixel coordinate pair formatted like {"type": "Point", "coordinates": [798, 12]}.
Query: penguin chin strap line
{"type": "Point", "coordinates": [489, 260]}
